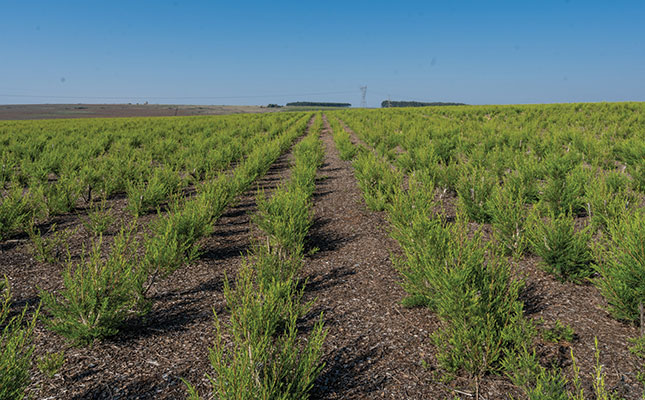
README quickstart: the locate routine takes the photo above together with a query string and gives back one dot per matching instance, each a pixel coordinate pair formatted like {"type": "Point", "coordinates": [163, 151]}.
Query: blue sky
{"type": "Point", "coordinates": [212, 52]}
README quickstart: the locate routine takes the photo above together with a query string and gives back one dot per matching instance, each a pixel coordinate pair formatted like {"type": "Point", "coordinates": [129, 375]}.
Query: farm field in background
{"type": "Point", "coordinates": [51, 111]}
{"type": "Point", "coordinates": [438, 252]}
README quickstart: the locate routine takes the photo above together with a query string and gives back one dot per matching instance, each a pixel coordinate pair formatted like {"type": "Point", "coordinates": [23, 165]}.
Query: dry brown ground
{"type": "Point", "coordinates": [375, 346]}
{"type": "Point", "coordinates": [50, 111]}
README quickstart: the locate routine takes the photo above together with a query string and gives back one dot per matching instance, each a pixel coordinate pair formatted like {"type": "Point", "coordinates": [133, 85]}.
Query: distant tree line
{"type": "Point", "coordinates": [389, 103]}
{"type": "Point", "coordinates": [314, 104]}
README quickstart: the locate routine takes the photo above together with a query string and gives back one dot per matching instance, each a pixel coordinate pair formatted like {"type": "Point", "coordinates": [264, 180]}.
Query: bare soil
{"type": "Point", "coordinates": [51, 111]}
{"type": "Point", "coordinates": [375, 346]}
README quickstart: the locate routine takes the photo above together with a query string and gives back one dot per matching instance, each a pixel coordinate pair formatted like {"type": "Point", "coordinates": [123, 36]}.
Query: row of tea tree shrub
{"type": "Point", "coordinates": [268, 358]}
{"type": "Point", "coordinates": [99, 294]}
{"type": "Point", "coordinates": [470, 284]}
{"type": "Point", "coordinates": [47, 167]}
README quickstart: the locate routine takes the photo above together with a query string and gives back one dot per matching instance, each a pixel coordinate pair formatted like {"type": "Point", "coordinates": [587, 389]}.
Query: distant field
{"type": "Point", "coordinates": [49, 111]}
{"type": "Point", "coordinates": [55, 111]}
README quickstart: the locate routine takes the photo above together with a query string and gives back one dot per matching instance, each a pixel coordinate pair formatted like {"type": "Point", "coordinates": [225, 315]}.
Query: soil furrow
{"type": "Point", "coordinates": [375, 347]}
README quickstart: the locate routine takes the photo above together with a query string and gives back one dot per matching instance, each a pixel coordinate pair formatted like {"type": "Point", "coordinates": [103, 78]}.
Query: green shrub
{"type": "Point", "coordinates": [112, 176]}
{"type": "Point", "coordinates": [8, 165]}
{"type": "Point", "coordinates": [445, 148]}
{"type": "Point", "coordinates": [90, 177]}
{"type": "Point", "coordinates": [448, 176]}
{"type": "Point", "coordinates": [265, 360]}
{"type": "Point", "coordinates": [174, 239]}
{"type": "Point", "coordinates": [474, 187]}
{"type": "Point", "coordinates": [346, 147]}
{"type": "Point", "coordinates": [173, 242]}
{"type": "Point", "coordinates": [261, 304]}
{"type": "Point", "coordinates": [537, 382]}
{"type": "Point", "coordinates": [98, 293]}
{"type": "Point", "coordinates": [308, 156]}
{"type": "Point", "coordinates": [637, 172]}
{"type": "Point", "coordinates": [508, 218]}
{"type": "Point", "coordinates": [565, 253]}
{"type": "Point", "coordinates": [421, 235]}
{"type": "Point", "coordinates": [190, 220]}
{"type": "Point", "coordinates": [51, 363]}
{"type": "Point", "coordinates": [558, 332]}
{"type": "Point", "coordinates": [215, 195]}
{"type": "Point", "coordinates": [423, 159]}
{"type": "Point", "coordinates": [464, 280]}
{"type": "Point", "coordinates": [32, 171]}
{"type": "Point", "coordinates": [99, 218]}
{"type": "Point", "coordinates": [343, 142]}
{"type": "Point", "coordinates": [638, 350]}
{"type": "Point", "coordinates": [167, 250]}
{"type": "Point", "coordinates": [621, 265]}
{"type": "Point", "coordinates": [558, 165]}
{"type": "Point", "coordinates": [50, 249]}
{"type": "Point", "coordinates": [270, 266]}
{"type": "Point", "coordinates": [378, 181]}
{"type": "Point", "coordinates": [541, 383]}
{"type": "Point", "coordinates": [600, 389]}
{"type": "Point", "coordinates": [477, 297]}
{"type": "Point", "coordinates": [565, 194]}
{"type": "Point", "coordinates": [419, 157]}
{"type": "Point", "coordinates": [145, 196]}
{"type": "Point", "coordinates": [303, 177]}
{"type": "Point", "coordinates": [16, 349]}
{"type": "Point", "coordinates": [285, 218]}
{"type": "Point", "coordinates": [605, 204]}
{"type": "Point", "coordinates": [524, 180]}
{"type": "Point", "coordinates": [616, 182]}
{"type": "Point", "coordinates": [256, 164]}
{"type": "Point", "coordinates": [16, 211]}
{"type": "Point", "coordinates": [61, 196]}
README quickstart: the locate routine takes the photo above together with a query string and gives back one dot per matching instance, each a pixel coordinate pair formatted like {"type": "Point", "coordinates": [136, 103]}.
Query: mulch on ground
{"type": "Point", "coordinates": [375, 347]}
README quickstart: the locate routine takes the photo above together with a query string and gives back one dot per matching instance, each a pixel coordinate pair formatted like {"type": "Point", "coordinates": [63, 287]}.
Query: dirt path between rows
{"type": "Point", "coordinates": [148, 358]}
{"type": "Point", "coordinates": [375, 346]}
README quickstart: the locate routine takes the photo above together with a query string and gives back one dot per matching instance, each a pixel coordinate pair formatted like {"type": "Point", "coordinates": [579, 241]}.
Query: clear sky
{"type": "Point", "coordinates": [244, 52]}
